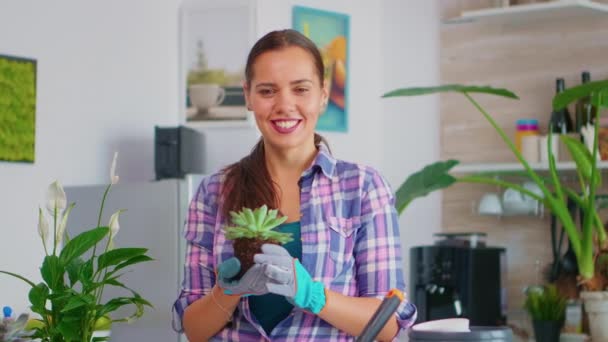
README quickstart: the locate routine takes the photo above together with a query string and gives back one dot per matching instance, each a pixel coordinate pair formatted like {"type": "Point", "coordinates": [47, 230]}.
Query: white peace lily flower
{"type": "Point", "coordinates": [43, 226]}
{"type": "Point", "coordinates": [55, 198]}
{"type": "Point", "coordinates": [113, 225]}
{"type": "Point", "coordinates": [113, 177]}
{"type": "Point", "coordinates": [63, 224]}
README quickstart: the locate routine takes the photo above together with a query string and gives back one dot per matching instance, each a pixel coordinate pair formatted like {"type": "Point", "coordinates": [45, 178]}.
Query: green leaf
{"type": "Point", "coordinates": [118, 255]}
{"type": "Point", "coordinates": [260, 214]}
{"type": "Point", "coordinates": [78, 301]}
{"type": "Point", "coordinates": [432, 177]}
{"type": "Point", "coordinates": [73, 269]}
{"type": "Point", "coordinates": [19, 277]}
{"type": "Point", "coordinates": [52, 272]}
{"type": "Point", "coordinates": [570, 95]}
{"type": "Point", "coordinates": [451, 88]}
{"type": "Point", "coordinates": [132, 261]}
{"type": "Point", "coordinates": [82, 243]}
{"type": "Point", "coordinates": [238, 219]}
{"type": "Point", "coordinates": [38, 296]}
{"type": "Point", "coordinates": [70, 329]}
{"type": "Point", "coordinates": [85, 275]}
{"type": "Point", "coordinates": [249, 217]}
{"type": "Point", "coordinates": [582, 158]}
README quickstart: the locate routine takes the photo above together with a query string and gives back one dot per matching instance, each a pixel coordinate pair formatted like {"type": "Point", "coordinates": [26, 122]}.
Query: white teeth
{"type": "Point", "coordinates": [286, 124]}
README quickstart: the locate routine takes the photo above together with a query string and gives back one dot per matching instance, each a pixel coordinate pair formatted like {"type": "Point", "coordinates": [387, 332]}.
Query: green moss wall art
{"type": "Point", "coordinates": [17, 109]}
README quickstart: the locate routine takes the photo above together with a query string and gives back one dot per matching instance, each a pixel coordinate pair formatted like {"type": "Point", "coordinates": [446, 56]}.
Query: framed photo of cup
{"type": "Point", "coordinates": [215, 37]}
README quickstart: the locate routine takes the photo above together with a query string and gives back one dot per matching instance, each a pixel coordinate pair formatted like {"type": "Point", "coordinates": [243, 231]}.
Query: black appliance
{"type": "Point", "coordinates": [459, 276]}
{"type": "Point", "coordinates": [177, 151]}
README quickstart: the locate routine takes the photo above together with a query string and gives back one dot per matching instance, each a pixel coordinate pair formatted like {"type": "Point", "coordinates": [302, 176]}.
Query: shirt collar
{"type": "Point", "coordinates": [324, 160]}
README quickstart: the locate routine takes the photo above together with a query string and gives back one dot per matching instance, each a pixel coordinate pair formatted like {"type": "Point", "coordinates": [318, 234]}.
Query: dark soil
{"type": "Point", "coordinates": [245, 249]}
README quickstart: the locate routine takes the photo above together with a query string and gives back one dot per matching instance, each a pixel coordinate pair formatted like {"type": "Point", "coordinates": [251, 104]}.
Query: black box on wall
{"type": "Point", "coordinates": [177, 151]}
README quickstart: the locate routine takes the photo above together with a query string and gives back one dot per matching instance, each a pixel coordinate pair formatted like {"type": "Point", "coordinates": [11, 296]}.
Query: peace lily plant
{"type": "Point", "coordinates": [75, 272]}
{"type": "Point", "coordinates": [589, 241]}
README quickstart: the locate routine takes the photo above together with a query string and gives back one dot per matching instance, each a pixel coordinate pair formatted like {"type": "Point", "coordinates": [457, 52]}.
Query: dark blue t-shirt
{"type": "Point", "coordinates": [270, 309]}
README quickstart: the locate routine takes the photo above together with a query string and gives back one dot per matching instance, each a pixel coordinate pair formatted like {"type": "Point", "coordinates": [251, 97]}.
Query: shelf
{"type": "Point", "coordinates": [248, 122]}
{"type": "Point", "coordinates": [532, 12]}
{"type": "Point", "coordinates": [510, 167]}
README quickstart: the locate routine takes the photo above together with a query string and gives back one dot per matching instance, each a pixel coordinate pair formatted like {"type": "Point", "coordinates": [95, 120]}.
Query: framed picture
{"type": "Point", "coordinates": [215, 37]}
{"type": "Point", "coordinates": [17, 109]}
{"type": "Point", "coordinates": [330, 32]}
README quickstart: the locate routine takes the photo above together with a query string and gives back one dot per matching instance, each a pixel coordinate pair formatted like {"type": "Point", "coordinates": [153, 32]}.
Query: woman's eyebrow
{"type": "Point", "coordinates": [270, 84]}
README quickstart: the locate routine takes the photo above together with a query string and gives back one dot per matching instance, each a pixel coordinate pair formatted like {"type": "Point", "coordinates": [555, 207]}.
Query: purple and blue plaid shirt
{"type": "Point", "coordinates": [350, 242]}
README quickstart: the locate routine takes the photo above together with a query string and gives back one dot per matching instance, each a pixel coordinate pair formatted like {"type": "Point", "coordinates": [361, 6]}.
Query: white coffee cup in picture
{"type": "Point", "coordinates": [206, 95]}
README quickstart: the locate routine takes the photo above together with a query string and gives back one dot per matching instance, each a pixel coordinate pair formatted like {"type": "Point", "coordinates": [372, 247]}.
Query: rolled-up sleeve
{"type": "Point", "coordinates": [199, 275]}
{"type": "Point", "coordinates": [378, 247]}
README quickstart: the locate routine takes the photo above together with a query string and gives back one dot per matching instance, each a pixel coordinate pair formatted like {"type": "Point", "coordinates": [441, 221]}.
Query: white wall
{"type": "Point", "coordinates": [107, 73]}
{"type": "Point", "coordinates": [410, 130]}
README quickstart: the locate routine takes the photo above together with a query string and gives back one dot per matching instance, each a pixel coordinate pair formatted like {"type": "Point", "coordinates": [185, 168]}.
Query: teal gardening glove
{"type": "Point", "coordinates": [290, 279]}
{"type": "Point", "coordinates": [253, 282]}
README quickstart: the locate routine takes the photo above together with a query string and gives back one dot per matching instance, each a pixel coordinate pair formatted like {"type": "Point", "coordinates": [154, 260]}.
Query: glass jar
{"type": "Point", "coordinates": [525, 127]}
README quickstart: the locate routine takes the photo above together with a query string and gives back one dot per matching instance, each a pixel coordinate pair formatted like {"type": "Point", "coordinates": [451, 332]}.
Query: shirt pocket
{"type": "Point", "coordinates": [342, 238]}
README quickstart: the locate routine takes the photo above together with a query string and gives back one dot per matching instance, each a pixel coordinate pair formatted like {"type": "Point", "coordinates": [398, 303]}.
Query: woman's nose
{"type": "Point", "coordinates": [285, 102]}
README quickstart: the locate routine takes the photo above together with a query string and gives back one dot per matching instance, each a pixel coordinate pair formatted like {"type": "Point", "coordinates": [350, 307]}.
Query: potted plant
{"type": "Point", "coordinates": [69, 300]}
{"type": "Point", "coordinates": [547, 308]}
{"type": "Point", "coordinates": [590, 240]}
{"type": "Point", "coordinates": [252, 229]}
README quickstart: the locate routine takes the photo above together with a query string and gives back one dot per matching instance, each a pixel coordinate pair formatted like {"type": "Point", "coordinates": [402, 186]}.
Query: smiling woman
{"type": "Point", "coordinates": [17, 109]}
{"type": "Point", "coordinates": [345, 254]}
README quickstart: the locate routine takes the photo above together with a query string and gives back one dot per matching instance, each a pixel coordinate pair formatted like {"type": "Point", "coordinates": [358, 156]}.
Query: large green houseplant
{"type": "Point", "coordinates": [75, 271]}
{"type": "Point", "coordinates": [586, 242]}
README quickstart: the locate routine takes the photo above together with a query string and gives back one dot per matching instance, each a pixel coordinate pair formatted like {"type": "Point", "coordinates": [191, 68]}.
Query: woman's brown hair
{"type": "Point", "coordinates": [248, 182]}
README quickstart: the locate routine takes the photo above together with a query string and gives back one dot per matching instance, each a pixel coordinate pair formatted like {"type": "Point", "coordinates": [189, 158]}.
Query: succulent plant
{"type": "Point", "coordinates": [14, 330]}
{"type": "Point", "coordinates": [252, 229]}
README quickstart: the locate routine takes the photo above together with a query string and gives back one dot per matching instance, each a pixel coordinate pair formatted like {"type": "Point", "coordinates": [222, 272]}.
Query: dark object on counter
{"type": "Point", "coordinates": [566, 264]}
{"type": "Point", "coordinates": [177, 151]}
{"type": "Point", "coordinates": [384, 312]}
{"type": "Point", "coordinates": [489, 334]}
{"type": "Point", "coordinates": [584, 110]}
{"type": "Point", "coordinates": [468, 239]}
{"type": "Point", "coordinates": [547, 331]}
{"type": "Point", "coordinates": [560, 121]}
{"type": "Point", "coordinates": [459, 281]}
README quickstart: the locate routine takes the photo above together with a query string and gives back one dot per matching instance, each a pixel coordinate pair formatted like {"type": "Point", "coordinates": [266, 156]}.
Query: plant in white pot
{"type": "Point", "coordinates": [588, 242]}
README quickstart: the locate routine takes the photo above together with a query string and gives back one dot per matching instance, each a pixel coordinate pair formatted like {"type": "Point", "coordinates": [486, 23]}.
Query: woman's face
{"type": "Point", "coordinates": [286, 96]}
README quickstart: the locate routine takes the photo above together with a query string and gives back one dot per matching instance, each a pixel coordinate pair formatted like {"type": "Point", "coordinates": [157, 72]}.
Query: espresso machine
{"type": "Point", "coordinates": [459, 276]}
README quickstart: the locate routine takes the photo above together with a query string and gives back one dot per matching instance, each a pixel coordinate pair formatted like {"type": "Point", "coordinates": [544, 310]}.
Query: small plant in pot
{"type": "Point", "coordinates": [547, 308]}
{"type": "Point", "coordinates": [252, 229]}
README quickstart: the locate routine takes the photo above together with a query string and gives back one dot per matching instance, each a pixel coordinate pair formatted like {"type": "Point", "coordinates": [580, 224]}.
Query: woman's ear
{"type": "Point", "coordinates": [325, 93]}
{"type": "Point", "coordinates": [246, 93]}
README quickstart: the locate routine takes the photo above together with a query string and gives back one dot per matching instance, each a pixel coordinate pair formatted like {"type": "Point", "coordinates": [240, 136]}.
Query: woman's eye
{"type": "Point", "coordinates": [301, 90]}
{"type": "Point", "coordinates": [265, 92]}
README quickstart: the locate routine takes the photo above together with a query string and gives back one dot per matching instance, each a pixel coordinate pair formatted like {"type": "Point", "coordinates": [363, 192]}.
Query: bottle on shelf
{"type": "Point", "coordinates": [560, 122]}
{"type": "Point", "coordinates": [584, 109]}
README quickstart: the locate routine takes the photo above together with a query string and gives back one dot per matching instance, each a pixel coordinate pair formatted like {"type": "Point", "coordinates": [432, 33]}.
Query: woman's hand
{"type": "Point", "coordinates": [290, 279]}
{"type": "Point", "coordinates": [253, 282]}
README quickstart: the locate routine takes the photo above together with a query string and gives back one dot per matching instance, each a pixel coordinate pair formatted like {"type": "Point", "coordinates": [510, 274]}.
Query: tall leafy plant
{"type": "Point", "coordinates": [75, 273]}
{"type": "Point", "coordinates": [587, 241]}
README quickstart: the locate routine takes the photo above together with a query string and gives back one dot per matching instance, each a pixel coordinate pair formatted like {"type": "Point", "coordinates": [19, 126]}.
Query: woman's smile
{"type": "Point", "coordinates": [285, 126]}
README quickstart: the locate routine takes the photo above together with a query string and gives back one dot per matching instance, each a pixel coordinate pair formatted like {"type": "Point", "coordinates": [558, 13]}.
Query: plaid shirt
{"type": "Point", "coordinates": [350, 242]}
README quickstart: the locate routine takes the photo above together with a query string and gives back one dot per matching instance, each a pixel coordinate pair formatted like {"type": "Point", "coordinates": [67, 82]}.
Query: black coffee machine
{"type": "Point", "coordinates": [459, 276]}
